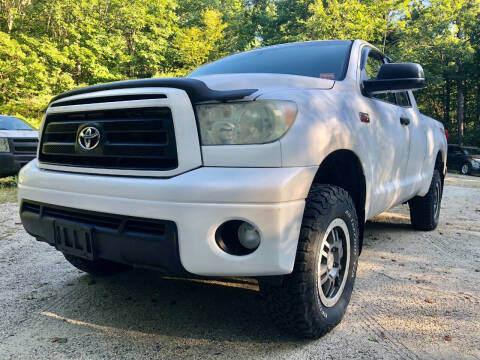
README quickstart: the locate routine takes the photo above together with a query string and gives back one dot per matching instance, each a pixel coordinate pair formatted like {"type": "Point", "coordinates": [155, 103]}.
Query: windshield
{"type": "Point", "coordinates": [13, 123]}
{"type": "Point", "coordinates": [319, 59]}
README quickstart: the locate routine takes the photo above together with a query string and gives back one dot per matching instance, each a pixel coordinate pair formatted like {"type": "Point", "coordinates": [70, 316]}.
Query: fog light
{"type": "Point", "coordinates": [248, 236]}
{"type": "Point", "coordinates": [237, 237]}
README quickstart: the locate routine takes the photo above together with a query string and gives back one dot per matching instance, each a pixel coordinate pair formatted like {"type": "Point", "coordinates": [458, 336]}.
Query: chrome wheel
{"type": "Point", "coordinates": [333, 262]}
{"type": "Point", "coordinates": [464, 169]}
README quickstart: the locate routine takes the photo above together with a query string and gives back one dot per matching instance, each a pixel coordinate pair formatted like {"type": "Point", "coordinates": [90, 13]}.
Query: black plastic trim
{"type": "Point", "coordinates": [394, 85]}
{"type": "Point", "coordinates": [197, 90]}
{"type": "Point", "coordinates": [59, 144]}
{"type": "Point", "coordinates": [139, 242]}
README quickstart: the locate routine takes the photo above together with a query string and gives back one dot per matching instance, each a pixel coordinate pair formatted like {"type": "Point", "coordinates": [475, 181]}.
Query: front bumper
{"type": "Point", "coordinates": [11, 164]}
{"type": "Point", "coordinates": [197, 202]}
{"type": "Point", "coordinates": [475, 170]}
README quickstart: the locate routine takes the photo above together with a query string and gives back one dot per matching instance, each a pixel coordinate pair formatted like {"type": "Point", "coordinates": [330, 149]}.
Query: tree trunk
{"type": "Point", "coordinates": [10, 18]}
{"type": "Point", "coordinates": [461, 103]}
{"type": "Point", "coordinates": [446, 110]}
{"type": "Point", "coordinates": [478, 103]}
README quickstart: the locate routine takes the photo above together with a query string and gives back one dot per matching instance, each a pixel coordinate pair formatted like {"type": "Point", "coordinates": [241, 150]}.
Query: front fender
{"type": "Point", "coordinates": [326, 122]}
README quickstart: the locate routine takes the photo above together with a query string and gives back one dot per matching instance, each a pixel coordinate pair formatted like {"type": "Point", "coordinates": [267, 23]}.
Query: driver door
{"type": "Point", "coordinates": [389, 142]}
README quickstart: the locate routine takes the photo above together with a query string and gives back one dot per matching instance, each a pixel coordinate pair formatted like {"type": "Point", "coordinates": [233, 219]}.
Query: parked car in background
{"type": "Point", "coordinates": [464, 159]}
{"type": "Point", "coordinates": [18, 144]}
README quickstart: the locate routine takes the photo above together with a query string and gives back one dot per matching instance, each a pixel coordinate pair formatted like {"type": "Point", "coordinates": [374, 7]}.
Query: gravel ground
{"type": "Point", "coordinates": [417, 296]}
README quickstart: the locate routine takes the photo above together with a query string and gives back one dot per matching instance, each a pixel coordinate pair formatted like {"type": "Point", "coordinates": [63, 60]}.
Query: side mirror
{"type": "Point", "coordinates": [396, 77]}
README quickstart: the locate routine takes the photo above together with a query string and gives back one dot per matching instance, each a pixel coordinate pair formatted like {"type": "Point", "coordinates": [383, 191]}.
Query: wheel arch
{"type": "Point", "coordinates": [343, 168]}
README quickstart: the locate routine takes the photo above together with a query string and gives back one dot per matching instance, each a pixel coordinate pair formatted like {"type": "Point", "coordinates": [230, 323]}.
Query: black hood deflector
{"type": "Point", "coordinates": [197, 90]}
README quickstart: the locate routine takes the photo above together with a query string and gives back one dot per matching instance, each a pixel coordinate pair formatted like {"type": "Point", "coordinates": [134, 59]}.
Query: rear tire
{"type": "Point", "coordinates": [312, 300]}
{"type": "Point", "coordinates": [98, 267]}
{"type": "Point", "coordinates": [425, 210]}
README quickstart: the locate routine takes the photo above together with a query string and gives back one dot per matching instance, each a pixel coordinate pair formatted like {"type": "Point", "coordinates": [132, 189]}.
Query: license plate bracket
{"type": "Point", "coordinates": [74, 239]}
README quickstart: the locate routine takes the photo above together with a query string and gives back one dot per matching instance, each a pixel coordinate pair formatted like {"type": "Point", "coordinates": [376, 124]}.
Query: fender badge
{"type": "Point", "coordinates": [364, 117]}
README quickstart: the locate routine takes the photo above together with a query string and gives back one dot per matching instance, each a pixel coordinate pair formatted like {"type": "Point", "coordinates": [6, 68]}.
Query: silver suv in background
{"type": "Point", "coordinates": [18, 144]}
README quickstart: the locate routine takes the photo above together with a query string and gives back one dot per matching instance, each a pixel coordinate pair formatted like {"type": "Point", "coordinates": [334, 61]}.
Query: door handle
{"type": "Point", "coordinates": [404, 121]}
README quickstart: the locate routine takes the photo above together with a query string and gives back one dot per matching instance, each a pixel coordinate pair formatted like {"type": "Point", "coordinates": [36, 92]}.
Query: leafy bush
{"type": "Point", "coordinates": [8, 182]}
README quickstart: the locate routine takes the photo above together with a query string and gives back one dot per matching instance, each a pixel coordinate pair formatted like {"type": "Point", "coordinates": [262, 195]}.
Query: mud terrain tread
{"type": "Point", "coordinates": [290, 305]}
{"type": "Point", "coordinates": [422, 214]}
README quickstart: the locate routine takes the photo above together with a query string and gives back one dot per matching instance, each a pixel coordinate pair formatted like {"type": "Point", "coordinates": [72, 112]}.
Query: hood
{"type": "Point", "coordinates": [222, 87]}
{"type": "Point", "coordinates": [18, 134]}
{"type": "Point", "coordinates": [264, 81]}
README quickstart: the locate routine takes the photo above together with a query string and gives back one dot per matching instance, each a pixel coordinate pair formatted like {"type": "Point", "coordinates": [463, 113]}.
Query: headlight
{"type": "Point", "coordinates": [255, 122]}
{"type": "Point", "coordinates": [4, 147]}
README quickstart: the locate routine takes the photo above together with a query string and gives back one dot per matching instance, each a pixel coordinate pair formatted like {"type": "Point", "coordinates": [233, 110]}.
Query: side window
{"type": "Point", "coordinates": [374, 62]}
{"type": "Point", "coordinates": [403, 99]}
{"type": "Point", "coordinates": [388, 97]}
{"type": "Point", "coordinates": [373, 65]}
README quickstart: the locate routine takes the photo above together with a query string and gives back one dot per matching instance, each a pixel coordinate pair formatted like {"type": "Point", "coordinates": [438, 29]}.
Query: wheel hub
{"type": "Point", "coordinates": [333, 262]}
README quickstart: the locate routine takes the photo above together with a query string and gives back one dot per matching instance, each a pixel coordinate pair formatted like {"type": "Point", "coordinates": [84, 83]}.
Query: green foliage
{"type": "Point", "coordinates": [443, 36]}
{"type": "Point", "coordinates": [355, 19]}
{"type": "Point", "coordinates": [47, 47]}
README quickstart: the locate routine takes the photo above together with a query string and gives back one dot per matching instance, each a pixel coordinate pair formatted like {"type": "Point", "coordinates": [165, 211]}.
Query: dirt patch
{"type": "Point", "coordinates": [463, 181]}
{"type": "Point", "coordinates": [8, 195]}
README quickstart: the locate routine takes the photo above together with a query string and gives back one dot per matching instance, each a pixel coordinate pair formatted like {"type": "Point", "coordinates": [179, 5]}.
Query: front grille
{"type": "Point", "coordinates": [101, 221]}
{"type": "Point", "coordinates": [131, 139]}
{"type": "Point", "coordinates": [25, 145]}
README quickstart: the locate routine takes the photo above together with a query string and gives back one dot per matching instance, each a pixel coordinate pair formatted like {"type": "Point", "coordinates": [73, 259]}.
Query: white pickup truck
{"type": "Point", "coordinates": [264, 164]}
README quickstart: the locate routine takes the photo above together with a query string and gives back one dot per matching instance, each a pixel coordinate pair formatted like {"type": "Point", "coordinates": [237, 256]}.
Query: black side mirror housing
{"type": "Point", "coordinates": [396, 77]}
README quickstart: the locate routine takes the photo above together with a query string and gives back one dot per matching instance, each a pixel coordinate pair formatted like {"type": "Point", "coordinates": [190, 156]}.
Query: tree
{"type": "Point", "coordinates": [49, 46]}
{"type": "Point", "coordinates": [195, 45]}
{"type": "Point", "coordinates": [438, 35]}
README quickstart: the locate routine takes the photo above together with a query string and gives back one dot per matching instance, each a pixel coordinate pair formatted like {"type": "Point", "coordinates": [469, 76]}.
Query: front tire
{"type": "Point", "coordinates": [98, 267]}
{"type": "Point", "coordinates": [312, 300]}
{"type": "Point", "coordinates": [425, 210]}
{"type": "Point", "coordinates": [465, 169]}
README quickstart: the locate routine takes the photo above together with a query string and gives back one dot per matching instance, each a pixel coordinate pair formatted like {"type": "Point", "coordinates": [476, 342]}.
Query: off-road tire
{"type": "Point", "coordinates": [98, 267]}
{"type": "Point", "coordinates": [425, 210]}
{"type": "Point", "coordinates": [294, 303]}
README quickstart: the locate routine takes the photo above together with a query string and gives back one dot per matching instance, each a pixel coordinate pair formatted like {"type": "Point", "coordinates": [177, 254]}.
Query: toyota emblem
{"type": "Point", "coordinates": [89, 138]}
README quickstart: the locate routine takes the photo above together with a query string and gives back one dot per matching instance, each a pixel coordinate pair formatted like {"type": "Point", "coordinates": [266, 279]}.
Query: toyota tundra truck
{"type": "Point", "coordinates": [263, 164]}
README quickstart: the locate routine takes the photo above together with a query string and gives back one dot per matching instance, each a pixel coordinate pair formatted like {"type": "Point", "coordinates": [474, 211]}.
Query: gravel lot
{"type": "Point", "coordinates": [417, 296]}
